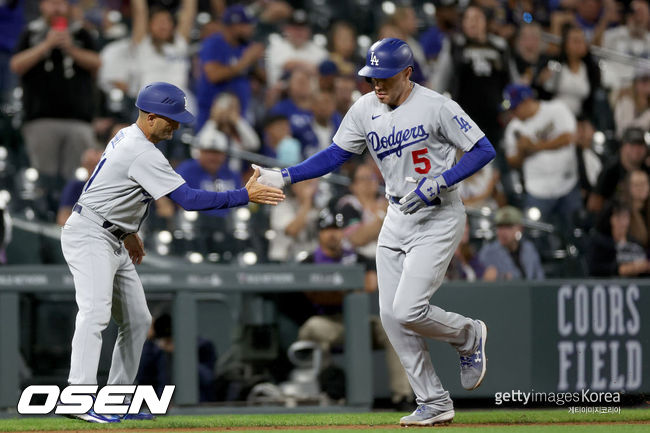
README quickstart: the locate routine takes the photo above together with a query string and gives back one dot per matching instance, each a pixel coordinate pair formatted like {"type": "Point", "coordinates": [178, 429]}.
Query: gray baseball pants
{"type": "Point", "coordinates": [106, 284]}
{"type": "Point", "coordinates": [413, 254]}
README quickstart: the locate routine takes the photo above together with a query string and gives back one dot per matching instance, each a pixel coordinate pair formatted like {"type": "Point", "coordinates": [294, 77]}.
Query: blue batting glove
{"type": "Point", "coordinates": [423, 194]}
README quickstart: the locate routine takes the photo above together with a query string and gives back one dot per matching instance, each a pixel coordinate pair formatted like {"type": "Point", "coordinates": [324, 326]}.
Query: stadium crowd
{"type": "Point", "coordinates": [561, 87]}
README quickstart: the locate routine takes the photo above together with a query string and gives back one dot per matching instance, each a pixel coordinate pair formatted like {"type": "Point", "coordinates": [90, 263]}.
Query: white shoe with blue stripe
{"type": "Point", "coordinates": [474, 366]}
{"type": "Point", "coordinates": [93, 417]}
{"type": "Point", "coordinates": [427, 416]}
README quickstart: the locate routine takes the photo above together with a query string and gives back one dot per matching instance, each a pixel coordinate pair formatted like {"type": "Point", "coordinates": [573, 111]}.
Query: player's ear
{"type": "Point", "coordinates": [409, 72]}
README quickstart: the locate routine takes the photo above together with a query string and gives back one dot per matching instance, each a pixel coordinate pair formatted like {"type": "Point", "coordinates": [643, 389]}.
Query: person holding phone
{"type": "Point", "coordinates": [56, 60]}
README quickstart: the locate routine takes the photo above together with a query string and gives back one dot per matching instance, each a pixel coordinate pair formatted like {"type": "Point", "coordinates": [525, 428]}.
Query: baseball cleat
{"type": "Point", "coordinates": [473, 367]}
{"type": "Point", "coordinates": [142, 416]}
{"type": "Point", "coordinates": [427, 416]}
{"type": "Point", "coordinates": [93, 417]}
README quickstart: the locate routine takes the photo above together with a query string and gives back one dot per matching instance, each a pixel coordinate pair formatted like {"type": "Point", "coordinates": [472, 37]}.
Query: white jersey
{"type": "Point", "coordinates": [169, 63]}
{"type": "Point", "coordinates": [131, 172]}
{"type": "Point", "coordinates": [548, 173]}
{"type": "Point", "coordinates": [418, 138]}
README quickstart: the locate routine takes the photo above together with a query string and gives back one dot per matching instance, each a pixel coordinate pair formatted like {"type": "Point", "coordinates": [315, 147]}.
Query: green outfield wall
{"type": "Point", "coordinates": [558, 336]}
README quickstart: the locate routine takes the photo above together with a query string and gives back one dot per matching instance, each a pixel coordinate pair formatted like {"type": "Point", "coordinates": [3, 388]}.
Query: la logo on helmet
{"type": "Point", "coordinates": [373, 59]}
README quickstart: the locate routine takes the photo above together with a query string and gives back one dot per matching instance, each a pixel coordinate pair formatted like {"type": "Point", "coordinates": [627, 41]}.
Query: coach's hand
{"type": "Point", "coordinates": [423, 194]}
{"type": "Point", "coordinates": [260, 193]}
{"type": "Point", "coordinates": [271, 177]}
{"type": "Point", "coordinates": [135, 247]}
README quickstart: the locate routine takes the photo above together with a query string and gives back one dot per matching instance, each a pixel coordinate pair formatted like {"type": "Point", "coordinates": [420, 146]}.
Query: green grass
{"type": "Point", "coordinates": [211, 422]}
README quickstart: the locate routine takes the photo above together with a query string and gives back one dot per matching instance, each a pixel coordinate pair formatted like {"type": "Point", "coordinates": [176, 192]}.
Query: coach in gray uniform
{"type": "Point", "coordinates": [101, 244]}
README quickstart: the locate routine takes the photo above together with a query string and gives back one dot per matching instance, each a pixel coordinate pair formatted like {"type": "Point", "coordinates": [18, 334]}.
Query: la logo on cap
{"type": "Point", "coordinates": [373, 59]}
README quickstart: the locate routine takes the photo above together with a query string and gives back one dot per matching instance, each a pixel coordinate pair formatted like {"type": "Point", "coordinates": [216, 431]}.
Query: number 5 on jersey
{"type": "Point", "coordinates": [421, 162]}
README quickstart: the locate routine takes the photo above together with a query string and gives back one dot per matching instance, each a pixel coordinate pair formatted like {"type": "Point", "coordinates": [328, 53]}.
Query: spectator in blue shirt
{"type": "Point", "coordinates": [12, 19]}
{"type": "Point", "coordinates": [208, 170]}
{"type": "Point", "coordinates": [226, 59]}
{"type": "Point", "coordinates": [297, 107]}
{"type": "Point", "coordinates": [513, 256]}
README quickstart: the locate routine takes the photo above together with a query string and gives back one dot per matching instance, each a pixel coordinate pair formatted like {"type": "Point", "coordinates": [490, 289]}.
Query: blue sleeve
{"type": "Point", "coordinates": [323, 162]}
{"type": "Point", "coordinates": [471, 162]}
{"type": "Point", "coordinates": [198, 199]}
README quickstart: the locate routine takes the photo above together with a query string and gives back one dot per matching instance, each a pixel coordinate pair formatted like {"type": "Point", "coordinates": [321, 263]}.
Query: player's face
{"type": "Point", "coordinates": [393, 90]}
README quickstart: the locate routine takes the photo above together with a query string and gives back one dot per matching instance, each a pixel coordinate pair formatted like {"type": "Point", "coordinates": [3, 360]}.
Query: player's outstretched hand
{"type": "Point", "coordinates": [270, 177]}
{"type": "Point", "coordinates": [135, 247]}
{"type": "Point", "coordinates": [423, 194]}
{"type": "Point", "coordinates": [260, 193]}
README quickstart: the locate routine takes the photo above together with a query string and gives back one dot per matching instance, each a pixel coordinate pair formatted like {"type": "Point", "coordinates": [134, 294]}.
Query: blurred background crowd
{"type": "Point", "coordinates": [560, 87]}
{"type": "Point", "coordinates": [270, 82]}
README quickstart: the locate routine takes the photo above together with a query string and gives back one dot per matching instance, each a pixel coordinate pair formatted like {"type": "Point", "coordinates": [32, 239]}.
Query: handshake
{"type": "Point", "coordinates": [265, 186]}
{"type": "Point", "coordinates": [424, 194]}
{"type": "Point", "coordinates": [273, 177]}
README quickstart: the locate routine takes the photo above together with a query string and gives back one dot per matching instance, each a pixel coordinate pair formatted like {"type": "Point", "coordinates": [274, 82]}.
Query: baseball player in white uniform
{"type": "Point", "coordinates": [100, 241]}
{"type": "Point", "coordinates": [413, 134]}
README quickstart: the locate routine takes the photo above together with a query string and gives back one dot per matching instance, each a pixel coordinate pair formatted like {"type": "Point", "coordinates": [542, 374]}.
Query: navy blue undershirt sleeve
{"type": "Point", "coordinates": [198, 199]}
{"type": "Point", "coordinates": [323, 162]}
{"type": "Point", "coordinates": [471, 162]}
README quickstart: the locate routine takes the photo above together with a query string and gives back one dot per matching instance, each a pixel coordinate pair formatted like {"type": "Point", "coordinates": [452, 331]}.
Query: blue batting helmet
{"type": "Point", "coordinates": [386, 58]}
{"type": "Point", "coordinates": [165, 100]}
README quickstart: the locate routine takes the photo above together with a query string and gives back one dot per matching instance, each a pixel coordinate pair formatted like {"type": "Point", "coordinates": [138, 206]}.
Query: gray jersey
{"type": "Point", "coordinates": [131, 172]}
{"type": "Point", "coordinates": [418, 138]}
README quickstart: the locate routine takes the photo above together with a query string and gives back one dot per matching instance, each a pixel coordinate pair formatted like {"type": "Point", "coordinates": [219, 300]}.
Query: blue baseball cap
{"type": "Point", "coordinates": [328, 67]}
{"type": "Point", "coordinates": [515, 94]}
{"type": "Point", "coordinates": [237, 14]}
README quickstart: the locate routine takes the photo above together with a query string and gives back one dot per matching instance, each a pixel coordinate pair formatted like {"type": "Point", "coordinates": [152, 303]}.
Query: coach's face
{"type": "Point", "coordinates": [161, 127]}
{"type": "Point", "coordinates": [393, 90]}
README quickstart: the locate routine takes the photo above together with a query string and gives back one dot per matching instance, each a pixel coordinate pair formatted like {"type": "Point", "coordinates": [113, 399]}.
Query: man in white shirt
{"type": "Point", "coordinates": [632, 39]}
{"type": "Point", "coordinates": [539, 140]}
{"type": "Point", "coordinates": [294, 49]}
{"type": "Point", "coordinates": [161, 47]}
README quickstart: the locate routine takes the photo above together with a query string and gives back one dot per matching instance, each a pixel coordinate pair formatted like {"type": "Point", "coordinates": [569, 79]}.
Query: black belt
{"type": "Point", "coordinates": [395, 200]}
{"type": "Point", "coordinates": [112, 228]}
